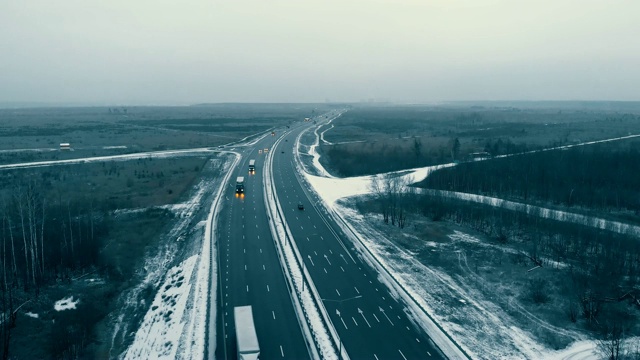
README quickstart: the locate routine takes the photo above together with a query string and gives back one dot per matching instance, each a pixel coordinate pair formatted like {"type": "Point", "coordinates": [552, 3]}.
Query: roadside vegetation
{"type": "Point", "coordinates": [63, 233]}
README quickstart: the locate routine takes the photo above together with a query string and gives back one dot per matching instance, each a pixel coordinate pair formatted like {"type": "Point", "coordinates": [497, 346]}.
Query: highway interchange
{"type": "Point", "coordinates": [370, 322]}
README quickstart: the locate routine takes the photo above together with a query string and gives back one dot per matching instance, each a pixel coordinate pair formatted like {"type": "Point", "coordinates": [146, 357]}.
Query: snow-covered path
{"type": "Point", "coordinates": [125, 157]}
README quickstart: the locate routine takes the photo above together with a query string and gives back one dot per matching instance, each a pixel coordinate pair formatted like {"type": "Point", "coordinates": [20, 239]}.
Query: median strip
{"type": "Point", "coordinates": [312, 315]}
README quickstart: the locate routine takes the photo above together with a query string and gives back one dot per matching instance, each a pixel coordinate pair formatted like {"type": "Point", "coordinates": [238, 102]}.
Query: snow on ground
{"type": "Point", "coordinates": [435, 291]}
{"type": "Point", "coordinates": [181, 334]}
{"type": "Point", "coordinates": [33, 315]}
{"type": "Point", "coordinates": [159, 334]}
{"type": "Point", "coordinates": [26, 150]}
{"type": "Point", "coordinates": [316, 143]}
{"type": "Point", "coordinates": [143, 155]}
{"type": "Point", "coordinates": [564, 147]}
{"type": "Point", "coordinates": [495, 335]}
{"type": "Point", "coordinates": [331, 189]}
{"type": "Point", "coordinates": [66, 304]}
{"type": "Point", "coordinates": [559, 215]}
{"type": "Point", "coordinates": [322, 133]}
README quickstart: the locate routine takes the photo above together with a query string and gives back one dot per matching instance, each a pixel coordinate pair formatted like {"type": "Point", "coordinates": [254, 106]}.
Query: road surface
{"type": "Point", "coordinates": [249, 269]}
{"type": "Point", "coordinates": [371, 323]}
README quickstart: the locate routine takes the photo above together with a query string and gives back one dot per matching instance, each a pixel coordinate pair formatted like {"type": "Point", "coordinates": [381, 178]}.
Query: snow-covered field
{"type": "Point", "coordinates": [494, 334]}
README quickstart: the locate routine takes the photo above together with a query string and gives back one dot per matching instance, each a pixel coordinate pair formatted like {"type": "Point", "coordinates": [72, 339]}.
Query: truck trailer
{"type": "Point", "coordinates": [248, 348]}
{"type": "Point", "coordinates": [240, 185]}
{"type": "Point", "coordinates": [252, 166]}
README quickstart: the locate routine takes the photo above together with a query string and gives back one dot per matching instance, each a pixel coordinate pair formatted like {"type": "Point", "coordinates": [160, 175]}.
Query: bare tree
{"type": "Point", "coordinates": [377, 187]}
{"type": "Point", "coordinates": [390, 190]}
{"type": "Point", "coordinates": [454, 147]}
{"type": "Point", "coordinates": [14, 268]}
{"type": "Point", "coordinates": [613, 328]}
{"type": "Point", "coordinates": [19, 201]}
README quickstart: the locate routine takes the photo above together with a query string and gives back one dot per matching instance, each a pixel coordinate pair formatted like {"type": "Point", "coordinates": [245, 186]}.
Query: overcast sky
{"type": "Point", "coordinates": [193, 51]}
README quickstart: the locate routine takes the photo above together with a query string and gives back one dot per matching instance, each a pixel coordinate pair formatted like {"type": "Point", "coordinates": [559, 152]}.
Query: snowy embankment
{"type": "Point", "coordinates": [316, 143]}
{"type": "Point", "coordinates": [314, 320]}
{"type": "Point", "coordinates": [159, 334]}
{"type": "Point", "coordinates": [322, 133]}
{"type": "Point", "coordinates": [424, 285]}
{"type": "Point", "coordinates": [175, 325]}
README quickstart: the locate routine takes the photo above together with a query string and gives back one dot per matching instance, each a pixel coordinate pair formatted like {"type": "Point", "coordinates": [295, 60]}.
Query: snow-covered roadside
{"type": "Point", "coordinates": [361, 185]}
{"type": "Point", "coordinates": [493, 334]}
{"type": "Point", "coordinates": [427, 285]}
{"type": "Point", "coordinates": [312, 148]}
{"type": "Point", "coordinates": [175, 324]}
{"type": "Point", "coordinates": [159, 334]}
{"type": "Point", "coordinates": [322, 133]}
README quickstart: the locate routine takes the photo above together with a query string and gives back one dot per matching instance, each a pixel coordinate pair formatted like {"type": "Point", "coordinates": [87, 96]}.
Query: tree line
{"type": "Point", "coordinates": [595, 177]}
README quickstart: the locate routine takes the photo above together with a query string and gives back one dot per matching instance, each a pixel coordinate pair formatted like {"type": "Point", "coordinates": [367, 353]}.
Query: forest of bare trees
{"type": "Point", "coordinates": [596, 177]}
{"type": "Point", "coordinates": [392, 195]}
{"type": "Point", "coordinates": [44, 240]}
{"type": "Point", "coordinates": [603, 274]}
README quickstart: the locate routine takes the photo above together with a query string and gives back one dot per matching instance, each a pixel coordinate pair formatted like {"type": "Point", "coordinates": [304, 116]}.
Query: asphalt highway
{"type": "Point", "coordinates": [371, 323]}
{"type": "Point", "coordinates": [250, 271]}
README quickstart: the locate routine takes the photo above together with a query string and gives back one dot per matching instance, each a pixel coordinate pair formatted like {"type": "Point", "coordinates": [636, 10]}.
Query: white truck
{"type": "Point", "coordinates": [248, 348]}
{"type": "Point", "coordinates": [252, 166]}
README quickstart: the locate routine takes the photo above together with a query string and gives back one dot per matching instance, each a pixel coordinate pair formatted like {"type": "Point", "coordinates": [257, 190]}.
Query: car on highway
{"type": "Point", "coordinates": [300, 206]}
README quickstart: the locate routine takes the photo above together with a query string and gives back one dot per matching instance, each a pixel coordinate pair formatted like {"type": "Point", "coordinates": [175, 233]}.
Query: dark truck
{"type": "Point", "coordinates": [240, 185]}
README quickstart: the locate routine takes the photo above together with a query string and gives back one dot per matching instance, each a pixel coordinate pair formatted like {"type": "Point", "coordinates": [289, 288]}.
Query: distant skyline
{"type": "Point", "coordinates": [165, 52]}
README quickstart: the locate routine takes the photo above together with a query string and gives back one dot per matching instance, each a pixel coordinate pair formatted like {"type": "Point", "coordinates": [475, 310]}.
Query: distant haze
{"type": "Point", "coordinates": [193, 51]}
